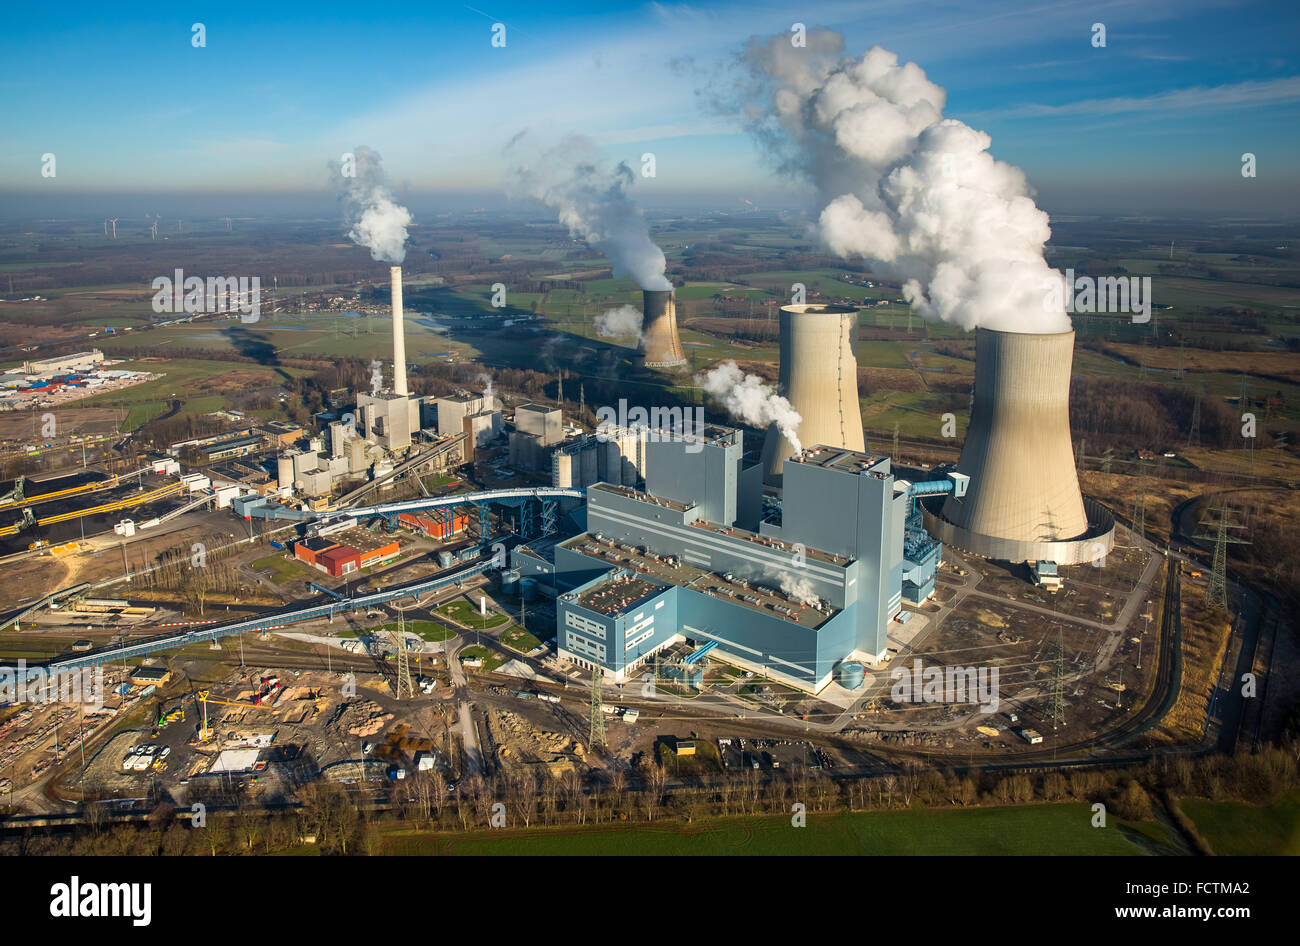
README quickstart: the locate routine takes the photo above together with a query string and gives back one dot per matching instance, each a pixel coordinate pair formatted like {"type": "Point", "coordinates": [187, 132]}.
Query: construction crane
{"type": "Point", "coordinates": [204, 698]}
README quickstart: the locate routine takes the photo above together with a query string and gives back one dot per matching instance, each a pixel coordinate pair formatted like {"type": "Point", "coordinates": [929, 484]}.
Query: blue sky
{"type": "Point", "coordinates": [1156, 120]}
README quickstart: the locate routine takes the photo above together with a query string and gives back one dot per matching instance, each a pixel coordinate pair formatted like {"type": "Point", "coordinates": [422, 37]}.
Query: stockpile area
{"type": "Point", "coordinates": [357, 718]}
{"type": "Point", "coordinates": [520, 741]}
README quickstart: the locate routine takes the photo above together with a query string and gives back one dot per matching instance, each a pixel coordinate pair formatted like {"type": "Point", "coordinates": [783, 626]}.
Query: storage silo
{"type": "Point", "coordinates": [590, 464]}
{"type": "Point", "coordinates": [562, 469]}
{"type": "Point", "coordinates": [819, 377]}
{"type": "Point", "coordinates": [284, 472]}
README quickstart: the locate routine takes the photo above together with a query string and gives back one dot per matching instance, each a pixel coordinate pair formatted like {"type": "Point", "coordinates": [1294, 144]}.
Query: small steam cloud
{"type": "Point", "coordinates": [593, 203]}
{"type": "Point", "coordinates": [899, 184]}
{"type": "Point", "coordinates": [489, 390]}
{"type": "Point", "coordinates": [798, 588]}
{"type": "Point", "coordinates": [750, 399]}
{"type": "Point", "coordinates": [625, 320]}
{"type": "Point", "coordinates": [374, 219]}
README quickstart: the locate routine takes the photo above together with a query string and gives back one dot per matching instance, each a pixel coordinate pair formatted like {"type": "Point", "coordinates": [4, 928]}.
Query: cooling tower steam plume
{"type": "Point", "coordinates": [374, 219]}
{"type": "Point", "coordinates": [625, 320]}
{"type": "Point", "coordinates": [751, 400]}
{"type": "Point", "coordinates": [901, 186]}
{"type": "Point", "coordinates": [592, 201]}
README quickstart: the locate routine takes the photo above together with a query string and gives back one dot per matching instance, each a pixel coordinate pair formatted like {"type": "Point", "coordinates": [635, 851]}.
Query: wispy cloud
{"type": "Point", "coordinates": [1234, 95]}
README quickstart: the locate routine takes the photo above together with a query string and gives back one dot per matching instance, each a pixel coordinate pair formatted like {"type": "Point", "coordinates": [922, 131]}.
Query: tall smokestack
{"type": "Point", "coordinates": [399, 333]}
{"type": "Point", "coordinates": [819, 377]}
{"type": "Point", "coordinates": [660, 347]}
{"type": "Point", "coordinates": [1023, 502]}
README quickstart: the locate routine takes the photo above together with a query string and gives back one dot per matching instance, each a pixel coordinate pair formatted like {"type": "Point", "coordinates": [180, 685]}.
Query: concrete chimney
{"type": "Point", "coordinates": [819, 377]}
{"type": "Point", "coordinates": [399, 333]}
{"type": "Point", "coordinates": [660, 347]}
{"type": "Point", "coordinates": [1023, 502]}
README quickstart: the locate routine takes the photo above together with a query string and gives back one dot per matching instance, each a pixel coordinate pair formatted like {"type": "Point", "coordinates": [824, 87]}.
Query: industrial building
{"type": "Point", "coordinates": [441, 524]}
{"type": "Point", "coordinates": [792, 597]}
{"type": "Point", "coordinates": [538, 429]}
{"type": "Point", "coordinates": [478, 415]}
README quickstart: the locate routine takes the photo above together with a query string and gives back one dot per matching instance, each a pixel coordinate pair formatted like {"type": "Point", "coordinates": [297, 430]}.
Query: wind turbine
{"type": "Point", "coordinates": [105, 226]}
{"type": "Point", "coordinates": [113, 221]}
{"type": "Point", "coordinates": [153, 230]}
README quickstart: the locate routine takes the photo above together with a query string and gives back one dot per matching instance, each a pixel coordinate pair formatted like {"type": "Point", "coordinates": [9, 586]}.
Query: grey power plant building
{"type": "Point", "coordinates": [1024, 502]}
{"type": "Point", "coordinates": [793, 598]}
{"type": "Point", "coordinates": [819, 377]}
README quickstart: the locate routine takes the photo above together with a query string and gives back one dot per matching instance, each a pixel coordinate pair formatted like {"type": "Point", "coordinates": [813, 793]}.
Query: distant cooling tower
{"type": "Point", "coordinates": [1023, 502]}
{"type": "Point", "coordinates": [819, 377]}
{"type": "Point", "coordinates": [660, 347]}
{"type": "Point", "coordinates": [399, 333]}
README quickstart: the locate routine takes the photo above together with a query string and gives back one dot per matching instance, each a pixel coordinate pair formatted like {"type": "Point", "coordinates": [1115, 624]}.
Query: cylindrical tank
{"type": "Point", "coordinates": [284, 472]}
{"type": "Point", "coordinates": [1017, 453]}
{"type": "Point", "coordinates": [445, 559]}
{"type": "Point", "coordinates": [611, 462]}
{"type": "Point", "coordinates": [528, 589]}
{"type": "Point", "coordinates": [590, 464]}
{"type": "Point", "coordinates": [562, 469]}
{"type": "Point", "coordinates": [852, 674]}
{"type": "Point", "coordinates": [660, 347]}
{"type": "Point", "coordinates": [630, 456]}
{"type": "Point", "coordinates": [819, 377]}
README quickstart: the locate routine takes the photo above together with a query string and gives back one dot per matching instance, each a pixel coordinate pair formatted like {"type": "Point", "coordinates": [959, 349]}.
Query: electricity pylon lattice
{"type": "Point", "coordinates": [1140, 503]}
{"type": "Point", "coordinates": [596, 733]}
{"type": "Point", "coordinates": [1057, 707]}
{"type": "Point", "coordinates": [1194, 435]}
{"type": "Point", "coordinates": [1215, 526]}
{"type": "Point", "coordinates": [403, 660]}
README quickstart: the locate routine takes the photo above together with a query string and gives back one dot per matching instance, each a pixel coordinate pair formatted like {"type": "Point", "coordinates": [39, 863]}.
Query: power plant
{"type": "Point", "coordinates": [1023, 503]}
{"type": "Point", "coordinates": [660, 346]}
{"type": "Point", "coordinates": [819, 377]}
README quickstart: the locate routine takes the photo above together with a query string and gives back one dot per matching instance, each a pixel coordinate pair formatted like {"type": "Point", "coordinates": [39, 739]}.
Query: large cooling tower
{"type": "Point", "coordinates": [1023, 501]}
{"type": "Point", "coordinates": [660, 347]}
{"type": "Point", "coordinates": [819, 377]}
{"type": "Point", "coordinates": [399, 333]}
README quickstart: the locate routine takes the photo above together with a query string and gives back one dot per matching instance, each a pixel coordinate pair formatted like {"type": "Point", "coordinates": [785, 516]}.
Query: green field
{"type": "Point", "coordinates": [1038, 829]}
{"type": "Point", "coordinates": [283, 568]}
{"type": "Point", "coordinates": [430, 631]}
{"type": "Point", "coordinates": [1235, 828]}
{"type": "Point", "coordinates": [464, 613]}
{"type": "Point", "coordinates": [516, 638]}
{"type": "Point", "coordinates": [491, 659]}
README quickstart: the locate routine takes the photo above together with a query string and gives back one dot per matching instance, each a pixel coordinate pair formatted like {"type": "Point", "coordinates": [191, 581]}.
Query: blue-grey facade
{"type": "Point", "coordinates": [835, 558]}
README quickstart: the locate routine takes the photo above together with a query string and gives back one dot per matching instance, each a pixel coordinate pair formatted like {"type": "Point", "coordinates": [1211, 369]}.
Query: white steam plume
{"type": "Point", "coordinates": [750, 399]}
{"type": "Point", "coordinates": [798, 588]}
{"type": "Point", "coordinates": [902, 186]}
{"type": "Point", "coordinates": [374, 219]}
{"type": "Point", "coordinates": [592, 202]}
{"type": "Point", "coordinates": [625, 320]}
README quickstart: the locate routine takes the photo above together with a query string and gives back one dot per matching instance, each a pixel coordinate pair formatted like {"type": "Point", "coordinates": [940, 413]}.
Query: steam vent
{"type": "Point", "coordinates": [660, 347]}
{"type": "Point", "coordinates": [819, 377]}
{"type": "Point", "coordinates": [1023, 503]}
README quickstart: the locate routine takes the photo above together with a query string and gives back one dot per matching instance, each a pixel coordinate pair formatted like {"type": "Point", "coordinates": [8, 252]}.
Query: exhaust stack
{"type": "Point", "coordinates": [399, 333]}
{"type": "Point", "coordinates": [660, 347]}
{"type": "Point", "coordinates": [819, 377]}
{"type": "Point", "coordinates": [1023, 503]}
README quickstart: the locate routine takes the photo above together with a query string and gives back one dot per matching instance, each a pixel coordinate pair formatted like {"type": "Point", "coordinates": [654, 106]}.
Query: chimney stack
{"type": "Point", "coordinates": [399, 333]}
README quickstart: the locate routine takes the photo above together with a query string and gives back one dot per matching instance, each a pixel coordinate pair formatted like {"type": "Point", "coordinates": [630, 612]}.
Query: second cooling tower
{"type": "Point", "coordinates": [660, 347]}
{"type": "Point", "coordinates": [1023, 502]}
{"type": "Point", "coordinates": [819, 377]}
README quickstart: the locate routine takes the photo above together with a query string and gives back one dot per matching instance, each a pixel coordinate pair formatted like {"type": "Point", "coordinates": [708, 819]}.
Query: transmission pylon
{"type": "Point", "coordinates": [1106, 459]}
{"type": "Point", "coordinates": [1218, 522]}
{"type": "Point", "coordinates": [894, 455]}
{"type": "Point", "coordinates": [403, 660]}
{"type": "Point", "coordinates": [1082, 445]}
{"type": "Point", "coordinates": [1140, 503]}
{"type": "Point", "coordinates": [596, 733]}
{"type": "Point", "coordinates": [1194, 435]}
{"type": "Point", "coordinates": [1057, 708]}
